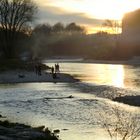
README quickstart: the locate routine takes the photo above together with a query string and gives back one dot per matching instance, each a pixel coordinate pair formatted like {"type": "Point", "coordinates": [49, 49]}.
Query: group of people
{"type": "Point", "coordinates": [55, 70]}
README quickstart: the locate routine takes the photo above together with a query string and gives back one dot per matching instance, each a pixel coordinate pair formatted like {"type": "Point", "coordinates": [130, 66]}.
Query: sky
{"type": "Point", "coordinates": [89, 13]}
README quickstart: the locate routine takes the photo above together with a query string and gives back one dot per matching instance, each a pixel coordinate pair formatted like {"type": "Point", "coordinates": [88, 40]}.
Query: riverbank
{"type": "Point", "coordinates": [21, 76]}
{"type": "Point", "coordinates": [16, 131]}
{"type": "Point", "coordinates": [130, 100]}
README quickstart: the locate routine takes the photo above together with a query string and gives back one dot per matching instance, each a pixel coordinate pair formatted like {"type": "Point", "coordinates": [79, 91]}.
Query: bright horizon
{"type": "Point", "coordinates": [94, 12]}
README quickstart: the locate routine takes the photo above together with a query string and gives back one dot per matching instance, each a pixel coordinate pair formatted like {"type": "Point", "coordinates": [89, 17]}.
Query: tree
{"type": "Point", "coordinates": [44, 29]}
{"type": "Point", "coordinates": [73, 28]}
{"type": "Point", "coordinates": [56, 39]}
{"type": "Point", "coordinates": [58, 28]}
{"type": "Point", "coordinates": [115, 25]}
{"type": "Point", "coordinates": [120, 125]}
{"type": "Point", "coordinates": [15, 16]}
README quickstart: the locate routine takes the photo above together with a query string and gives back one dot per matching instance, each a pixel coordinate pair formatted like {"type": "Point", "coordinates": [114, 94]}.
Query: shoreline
{"type": "Point", "coordinates": [16, 131]}
{"type": "Point", "coordinates": [20, 76]}
{"type": "Point", "coordinates": [130, 100]}
{"type": "Point", "coordinates": [81, 60]}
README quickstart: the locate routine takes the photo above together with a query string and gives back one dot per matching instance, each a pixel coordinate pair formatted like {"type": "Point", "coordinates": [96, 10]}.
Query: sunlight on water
{"type": "Point", "coordinates": [119, 75]}
{"type": "Point", "coordinates": [78, 117]}
{"type": "Point", "coordinates": [124, 76]}
{"type": "Point", "coordinates": [109, 74]}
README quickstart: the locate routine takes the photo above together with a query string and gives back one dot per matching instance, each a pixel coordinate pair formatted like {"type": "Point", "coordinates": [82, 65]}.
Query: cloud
{"type": "Point", "coordinates": [52, 14]}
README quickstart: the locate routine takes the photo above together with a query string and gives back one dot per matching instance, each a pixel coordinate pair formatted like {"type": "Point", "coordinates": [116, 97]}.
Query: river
{"type": "Point", "coordinates": [77, 118]}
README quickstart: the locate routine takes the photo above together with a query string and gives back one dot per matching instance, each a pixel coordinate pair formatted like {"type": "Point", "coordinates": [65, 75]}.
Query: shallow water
{"type": "Point", "coordinates": [124, 76]}
{"type": "Point", "coordinates": [77, 118]}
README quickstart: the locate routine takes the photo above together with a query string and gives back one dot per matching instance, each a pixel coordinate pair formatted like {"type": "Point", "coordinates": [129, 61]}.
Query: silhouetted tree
{"type": "Point", "coordinates": [58, 28]}
{"type": "Point", "coordinates": [115, 25]}
{"type": "Point", "coordinates": [74, 28]}
{"type": "Point", "coordinates": [45, 29]}
{"type": "Point", "coordinates": [57, 39]}
{"type": "Point", "coordinates": [15, 16]}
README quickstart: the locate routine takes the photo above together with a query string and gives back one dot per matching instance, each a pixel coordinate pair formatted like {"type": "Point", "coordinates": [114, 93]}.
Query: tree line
{"type": "Point", "coordinates": [18, 36]}
{"type": "Point", "coordinates": [59, 28]}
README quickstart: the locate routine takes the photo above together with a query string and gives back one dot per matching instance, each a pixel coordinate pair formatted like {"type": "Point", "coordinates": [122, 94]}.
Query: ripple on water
{"type": "Point", "coordinates": [79, 113]}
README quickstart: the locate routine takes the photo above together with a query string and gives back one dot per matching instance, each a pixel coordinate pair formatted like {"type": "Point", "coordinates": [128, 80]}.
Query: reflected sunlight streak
{"type": "Point", "coordinates": [118, 76]}
{"type": "Point", "coordinates": [109, 75]}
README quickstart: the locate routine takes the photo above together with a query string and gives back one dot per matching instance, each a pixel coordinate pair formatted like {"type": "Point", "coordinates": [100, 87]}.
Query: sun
{"type": "Point", "coordinates": [92, 9]}
{"type": "Point", "coordinates": [108, 9]}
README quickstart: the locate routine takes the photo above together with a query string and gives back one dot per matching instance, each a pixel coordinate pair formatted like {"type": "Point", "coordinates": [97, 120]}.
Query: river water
{"type": "Point", "coordinates": [78, 117]}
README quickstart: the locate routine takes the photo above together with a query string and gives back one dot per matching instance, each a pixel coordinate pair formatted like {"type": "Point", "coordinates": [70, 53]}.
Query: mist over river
{"type": "Point", "coordinates": [77, 118]}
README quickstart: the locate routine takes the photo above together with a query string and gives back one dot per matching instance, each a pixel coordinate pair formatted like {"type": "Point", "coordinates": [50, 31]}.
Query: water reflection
{"type": "Point", "coordinates": [123, 76]}
{"type": "Point", "coordinates": [108, 74]}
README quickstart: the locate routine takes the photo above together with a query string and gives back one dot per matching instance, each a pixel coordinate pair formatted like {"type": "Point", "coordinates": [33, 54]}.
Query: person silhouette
{"type": "Point", "coordinates": [39, 69]}
{"type": "Point", "coordinates": [36, 69]}
{"type": "Point", "coordinates": [55, 68]}
{"type": "Point", "coordinates": [52, 69]}
{"type": "Point", "coordinates": [58, 68]}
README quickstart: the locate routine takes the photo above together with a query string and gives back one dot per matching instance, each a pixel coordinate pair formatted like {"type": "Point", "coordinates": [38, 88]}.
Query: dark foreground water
{"type": "Point", "coordinates": [77, 118]}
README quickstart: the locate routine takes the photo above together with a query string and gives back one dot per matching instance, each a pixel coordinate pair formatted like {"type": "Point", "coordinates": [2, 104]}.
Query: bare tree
{"type": "Point", "coordinates": [121, 125]}
{"type": "Point", "coordinates": [15, 16]}
{"type": "Point", "coordinates": [115, 25]}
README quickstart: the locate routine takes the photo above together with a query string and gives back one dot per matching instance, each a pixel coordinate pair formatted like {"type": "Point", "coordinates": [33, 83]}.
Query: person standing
{"type": "Point", "coordinates": [58, 68]}
{"type": "Point", "coordinates": [39, 69]}
{"type": "Point", "coordinates": [52, 70]}
{"type": "Point", "coordinates": [55, 68]}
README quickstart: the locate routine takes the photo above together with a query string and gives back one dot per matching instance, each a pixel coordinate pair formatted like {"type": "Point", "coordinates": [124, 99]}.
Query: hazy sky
{"type": "Point", "coordinates": [89, 13]}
